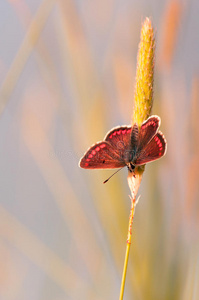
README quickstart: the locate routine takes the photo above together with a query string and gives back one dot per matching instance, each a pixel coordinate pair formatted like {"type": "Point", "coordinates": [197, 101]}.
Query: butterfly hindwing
{"type": "Point", "coordinates": [102, 155]}
{"type": "Point", "coordinates": [119, 137]}
{"type": "Point", "coordinates": [155, 149]}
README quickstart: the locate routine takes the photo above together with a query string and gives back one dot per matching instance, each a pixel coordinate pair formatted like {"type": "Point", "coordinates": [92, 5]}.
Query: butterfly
{"type": "Point", "coordinates": [127, 146]}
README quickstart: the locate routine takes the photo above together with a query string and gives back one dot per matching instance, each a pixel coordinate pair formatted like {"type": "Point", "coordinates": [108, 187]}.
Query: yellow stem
{"type": "Point", "coordinates": [127, 248]}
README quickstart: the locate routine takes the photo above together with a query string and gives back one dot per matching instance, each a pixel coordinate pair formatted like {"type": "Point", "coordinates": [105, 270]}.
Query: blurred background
{"type": "Point", "coordinates": [67, 73]}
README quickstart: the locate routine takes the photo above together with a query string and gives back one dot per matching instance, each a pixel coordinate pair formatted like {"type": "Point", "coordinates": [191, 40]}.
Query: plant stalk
{"type": "Point", "coordinates": [127, 248]}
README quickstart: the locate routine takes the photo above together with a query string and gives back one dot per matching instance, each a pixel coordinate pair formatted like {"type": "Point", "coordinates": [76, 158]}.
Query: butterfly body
{"type": "Point", "coordinates": [127, 146]}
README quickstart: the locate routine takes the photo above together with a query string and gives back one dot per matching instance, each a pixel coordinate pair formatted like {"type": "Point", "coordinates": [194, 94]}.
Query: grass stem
{"type": "Point", "coordinates": [127, 248]}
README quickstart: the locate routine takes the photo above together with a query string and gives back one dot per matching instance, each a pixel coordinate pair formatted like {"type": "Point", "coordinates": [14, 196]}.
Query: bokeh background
{"type": "Point", "coordinates": [67, 73]}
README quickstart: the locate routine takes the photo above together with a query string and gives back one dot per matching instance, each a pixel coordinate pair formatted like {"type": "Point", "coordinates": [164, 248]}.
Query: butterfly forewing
{"type": "Point", "coordinates": [155, 149]}
{"type": "Point", "coordinates": [147, 131]}
{"type": "Point", "coordinates": [102, 156]}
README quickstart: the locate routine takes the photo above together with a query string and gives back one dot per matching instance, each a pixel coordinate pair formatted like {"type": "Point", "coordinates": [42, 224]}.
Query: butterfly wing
{"type": "Point", "coordinates": [147, 131]}
{"type": "Point", "coordinates": [108, 154]}
{"type": "Point", "coordinates": [101, 156]}
{"type": "Point", "coordinates": [119, 137]}
{"type": "Point", "coordinates": [155, 149]}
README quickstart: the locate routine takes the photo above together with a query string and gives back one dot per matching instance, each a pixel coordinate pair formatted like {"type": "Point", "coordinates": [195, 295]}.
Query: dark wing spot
{"type": "Point", "coordinates": [103, 161]}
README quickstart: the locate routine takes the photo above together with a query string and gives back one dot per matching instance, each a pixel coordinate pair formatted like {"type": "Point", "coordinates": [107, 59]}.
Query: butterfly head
{"type": "Point", "coordinates": [130, 166]}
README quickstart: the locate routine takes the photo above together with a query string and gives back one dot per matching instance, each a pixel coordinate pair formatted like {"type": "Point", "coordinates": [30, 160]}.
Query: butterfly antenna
{"type": "Point", "coordinates": [112, 175]}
